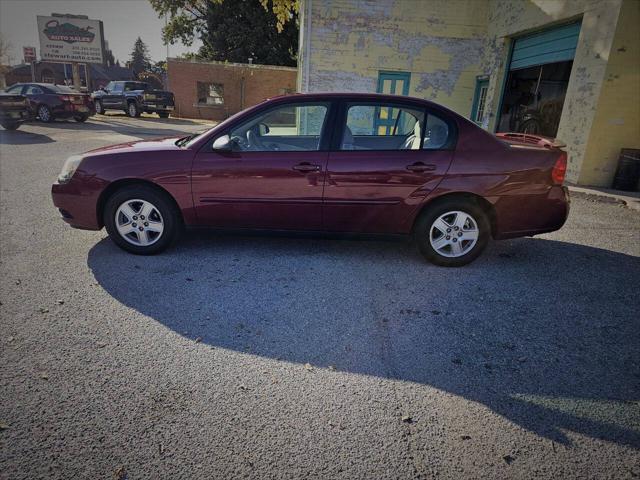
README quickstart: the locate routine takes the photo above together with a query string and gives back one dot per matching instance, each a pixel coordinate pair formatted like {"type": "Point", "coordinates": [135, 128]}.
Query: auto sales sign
{"type": "Point", "coordinates": [70, 39]}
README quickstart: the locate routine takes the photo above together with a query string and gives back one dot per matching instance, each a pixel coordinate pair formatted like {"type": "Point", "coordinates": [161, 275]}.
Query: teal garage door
{"type": "Point", "coordinates": [549, 46]}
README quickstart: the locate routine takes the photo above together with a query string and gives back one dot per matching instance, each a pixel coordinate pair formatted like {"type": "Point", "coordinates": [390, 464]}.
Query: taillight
{"type": "Point", "coordinates": [559, 169]}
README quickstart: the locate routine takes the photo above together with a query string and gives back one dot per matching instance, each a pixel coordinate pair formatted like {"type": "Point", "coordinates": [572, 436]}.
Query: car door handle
{"type": "Point", "coordinates": [421, 167]}
{"type": "Point", "coordinates": [306, 167]}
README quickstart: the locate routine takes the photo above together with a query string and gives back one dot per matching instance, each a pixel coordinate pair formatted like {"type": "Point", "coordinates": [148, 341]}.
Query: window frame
{"type": "Point", "coordinates": [341, 122]}
{"type": "Point", "coordinates": [205, 104]}
{"type": "Point", "coordinates": [41, 91]}
{"type": "Point", "coordinates": [326, 134]}
{"type": "Point", "coordinates": [20, 86]}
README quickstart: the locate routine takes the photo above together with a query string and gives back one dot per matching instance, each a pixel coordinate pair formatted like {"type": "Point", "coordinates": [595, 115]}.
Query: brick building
{"type": "Point", "coordinates": [217, 90]}
{"type": "Point", "coordinates": [564, 68]}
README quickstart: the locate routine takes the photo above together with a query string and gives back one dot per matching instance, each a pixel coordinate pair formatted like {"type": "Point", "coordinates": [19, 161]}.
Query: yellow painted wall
{"type": "Point", "coordinates": [446, 44]}
{"type": "Point", "coordinates": [616, 123]}
{"type": "Point", "coordinates": [440, 42]}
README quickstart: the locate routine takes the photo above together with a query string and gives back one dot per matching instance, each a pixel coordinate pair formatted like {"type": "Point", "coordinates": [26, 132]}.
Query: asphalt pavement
{"type": "Point", "coordinates": [280, 357]}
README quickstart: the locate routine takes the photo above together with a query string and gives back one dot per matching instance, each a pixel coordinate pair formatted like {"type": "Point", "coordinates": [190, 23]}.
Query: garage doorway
{"type": "Point", "coordinates": [537, 81]}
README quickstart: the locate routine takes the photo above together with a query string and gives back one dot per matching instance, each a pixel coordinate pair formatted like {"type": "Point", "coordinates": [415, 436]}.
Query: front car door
{"type": "Point", "coordinates": [114, 98]}
{"type": "Point", "coordinates": [273, 178]}
{"type": "Point", "coordinates": [385, 159]}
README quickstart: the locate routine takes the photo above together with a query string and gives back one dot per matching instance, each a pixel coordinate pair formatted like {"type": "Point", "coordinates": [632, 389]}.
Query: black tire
{"type": "Point", "coordinates": [132, 110]}
{"type": "Point", "coordinates": [425, 224]}
{"type": "Point", "coordinates": [99, 107]}
{"type": "Point", "coordinates": [163, 114]}
{"type": "Point", "coordinates": [81, 118]}
{"type": "Point", "coordinates": [10, 125]}
{"type": "Point", "coordinates": [531, 126]}
{"type": "Point", "coordinates": [162, 203]}
{"type": "Point", "coordinates": [44, 114]}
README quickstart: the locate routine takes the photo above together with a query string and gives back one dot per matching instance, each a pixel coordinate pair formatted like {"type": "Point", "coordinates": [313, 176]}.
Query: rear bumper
{"type": "Point", "coordinates": [527, 215]}
{"type": "Point", "coordinates": [77, 207]}
{"type": "Point", "coordinates": [157, 107]}
{"type": "Point", "coordinates": [14, 115]}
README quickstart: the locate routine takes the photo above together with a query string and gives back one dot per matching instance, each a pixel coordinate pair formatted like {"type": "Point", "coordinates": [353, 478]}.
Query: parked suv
{"type": "Point", "coordinates": [49, 101]}
{"type": "Point", "coordinates": [134, 98]}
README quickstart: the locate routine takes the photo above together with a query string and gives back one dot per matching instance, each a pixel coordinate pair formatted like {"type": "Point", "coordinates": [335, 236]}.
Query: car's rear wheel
{"type": "Point", "coordinates": [10, 125]}
{"type": "Point", "coordinates": [133, 110]}
{"type": "Point", "coordinates": [163, 114]}
{"type": "Point", "coordinates": [99, 107]}
{"type": "Point", "coordinates": [44, 114]}
{"type": "Point", "coordinates": [141, 220]}
{"type": "Point", "coordinates": [453, 232]}
{"type": "Point", "coordinates": [81, 118]}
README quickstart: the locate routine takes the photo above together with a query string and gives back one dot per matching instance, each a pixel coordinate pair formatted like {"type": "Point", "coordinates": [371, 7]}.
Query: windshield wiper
{"type": "Point", "coordinates": [181, 141]}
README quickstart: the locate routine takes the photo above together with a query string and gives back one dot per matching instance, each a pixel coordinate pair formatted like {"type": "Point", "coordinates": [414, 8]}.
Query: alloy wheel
{"type": "Point", "coordinates": [139, 222]}
{"type": "Point", "coordinates": [44, 114]}
{"type": "Point", "coordinates": [453, 234]}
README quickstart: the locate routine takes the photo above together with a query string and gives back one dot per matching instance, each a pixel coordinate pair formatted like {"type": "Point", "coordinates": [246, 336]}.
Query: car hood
{"type": "Point", "coordinates": [166, 143]}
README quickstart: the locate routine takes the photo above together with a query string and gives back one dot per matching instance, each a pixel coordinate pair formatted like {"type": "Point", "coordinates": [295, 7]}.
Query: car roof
{"type": "Point", "coordinates": [357, 96]}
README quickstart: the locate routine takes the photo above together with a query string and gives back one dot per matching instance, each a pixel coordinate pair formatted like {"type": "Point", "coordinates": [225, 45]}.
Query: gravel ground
{"type": "Point", "coordinates": [263, 357]}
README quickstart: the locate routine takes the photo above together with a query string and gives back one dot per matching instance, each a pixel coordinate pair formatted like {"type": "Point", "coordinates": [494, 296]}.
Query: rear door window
{"type": "Point", "coordinates": [382, 126]}
{"type": "Point", "coordinates": [436, 133]}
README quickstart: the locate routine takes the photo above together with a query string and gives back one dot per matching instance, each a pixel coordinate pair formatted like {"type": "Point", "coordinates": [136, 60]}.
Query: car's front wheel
{"type": "Point", "coordinates": [453, 232]}
{"type": "Point", "coordinates": [141, 220]}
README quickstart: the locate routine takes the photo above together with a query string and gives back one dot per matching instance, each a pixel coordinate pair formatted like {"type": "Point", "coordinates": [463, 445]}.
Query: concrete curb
{"type": "Point", "coordinates": [629, 201]}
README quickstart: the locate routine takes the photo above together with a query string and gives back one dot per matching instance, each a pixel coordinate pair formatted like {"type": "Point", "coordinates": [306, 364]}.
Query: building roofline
{"type": "Point", "coordinates": [233, 64]}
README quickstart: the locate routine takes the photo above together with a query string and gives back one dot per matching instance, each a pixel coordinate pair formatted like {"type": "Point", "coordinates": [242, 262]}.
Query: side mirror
{"type": "Point", "coordinates": [223, 144]}
{"type": "Point", "coordinates": [263, 129]}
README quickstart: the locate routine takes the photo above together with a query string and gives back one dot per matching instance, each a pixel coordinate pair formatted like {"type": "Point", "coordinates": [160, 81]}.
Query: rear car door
{"type": "Point", "coordinates": [274, 177]}
{"type": "Point", "coordinates": [35, 95]}
{"type": "Point", "coordinates": [385, 159]}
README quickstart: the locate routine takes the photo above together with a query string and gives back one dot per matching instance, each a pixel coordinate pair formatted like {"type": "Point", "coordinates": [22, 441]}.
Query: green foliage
{"type": "Point", "coordinates": [234, 30]}
{"type": "Point", "coordinates": [140, 58]}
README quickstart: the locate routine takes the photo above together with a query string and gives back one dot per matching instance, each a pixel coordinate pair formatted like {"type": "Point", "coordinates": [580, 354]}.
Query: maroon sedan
{"type": "Point", "coordinates": [344, 163]}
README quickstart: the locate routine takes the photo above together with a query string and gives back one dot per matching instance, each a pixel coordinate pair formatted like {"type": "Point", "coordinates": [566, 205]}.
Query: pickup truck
{"type": "Point", "coordinates": [133, 98]}
{"type": "Point", "coordinates": [14, 110]}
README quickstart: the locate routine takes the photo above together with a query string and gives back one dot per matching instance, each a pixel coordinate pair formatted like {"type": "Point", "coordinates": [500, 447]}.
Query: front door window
{"type": "Point", "coordinates": [288, 128]}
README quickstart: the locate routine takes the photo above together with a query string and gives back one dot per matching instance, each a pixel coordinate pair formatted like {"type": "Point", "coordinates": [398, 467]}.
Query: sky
{"type": "Point", "coordinates": [124, 21]}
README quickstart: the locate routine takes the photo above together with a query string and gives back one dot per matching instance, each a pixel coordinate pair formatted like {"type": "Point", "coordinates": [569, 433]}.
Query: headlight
{"type": "Point", "coordinates": [69, 168]}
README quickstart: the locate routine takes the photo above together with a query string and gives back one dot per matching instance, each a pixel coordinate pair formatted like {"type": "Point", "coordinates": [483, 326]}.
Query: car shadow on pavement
{"type": "Point", "coordinates": [544, 333]}
{"type": "Point", "coordinates": [19, 137]}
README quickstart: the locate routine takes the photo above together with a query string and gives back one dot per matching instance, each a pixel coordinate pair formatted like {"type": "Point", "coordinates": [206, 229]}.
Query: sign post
{"type": "Point", "coordinates": [71, 39]}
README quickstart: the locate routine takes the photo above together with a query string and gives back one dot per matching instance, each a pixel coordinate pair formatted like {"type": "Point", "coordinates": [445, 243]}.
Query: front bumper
{"type": "Point", "coordinates": [76, 205]}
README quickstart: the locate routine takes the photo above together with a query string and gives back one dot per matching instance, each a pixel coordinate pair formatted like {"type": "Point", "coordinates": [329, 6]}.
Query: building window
{"type": "Point", "coordinates": [480, 100]}
{"type": "Point", "coordinates": [210, 93]}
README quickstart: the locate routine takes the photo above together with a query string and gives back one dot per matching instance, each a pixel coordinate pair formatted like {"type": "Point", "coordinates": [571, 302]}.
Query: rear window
{"type": "Point", "coordinates": [61, 89]}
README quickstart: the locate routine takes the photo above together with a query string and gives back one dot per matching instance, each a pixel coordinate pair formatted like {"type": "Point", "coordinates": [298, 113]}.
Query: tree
{"type": "Point", "coordinates": [234, 30]}
{"type": "Point", "coordinates": [5, 50]}
{"type": "Point", "coordinates": [140, 58]}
